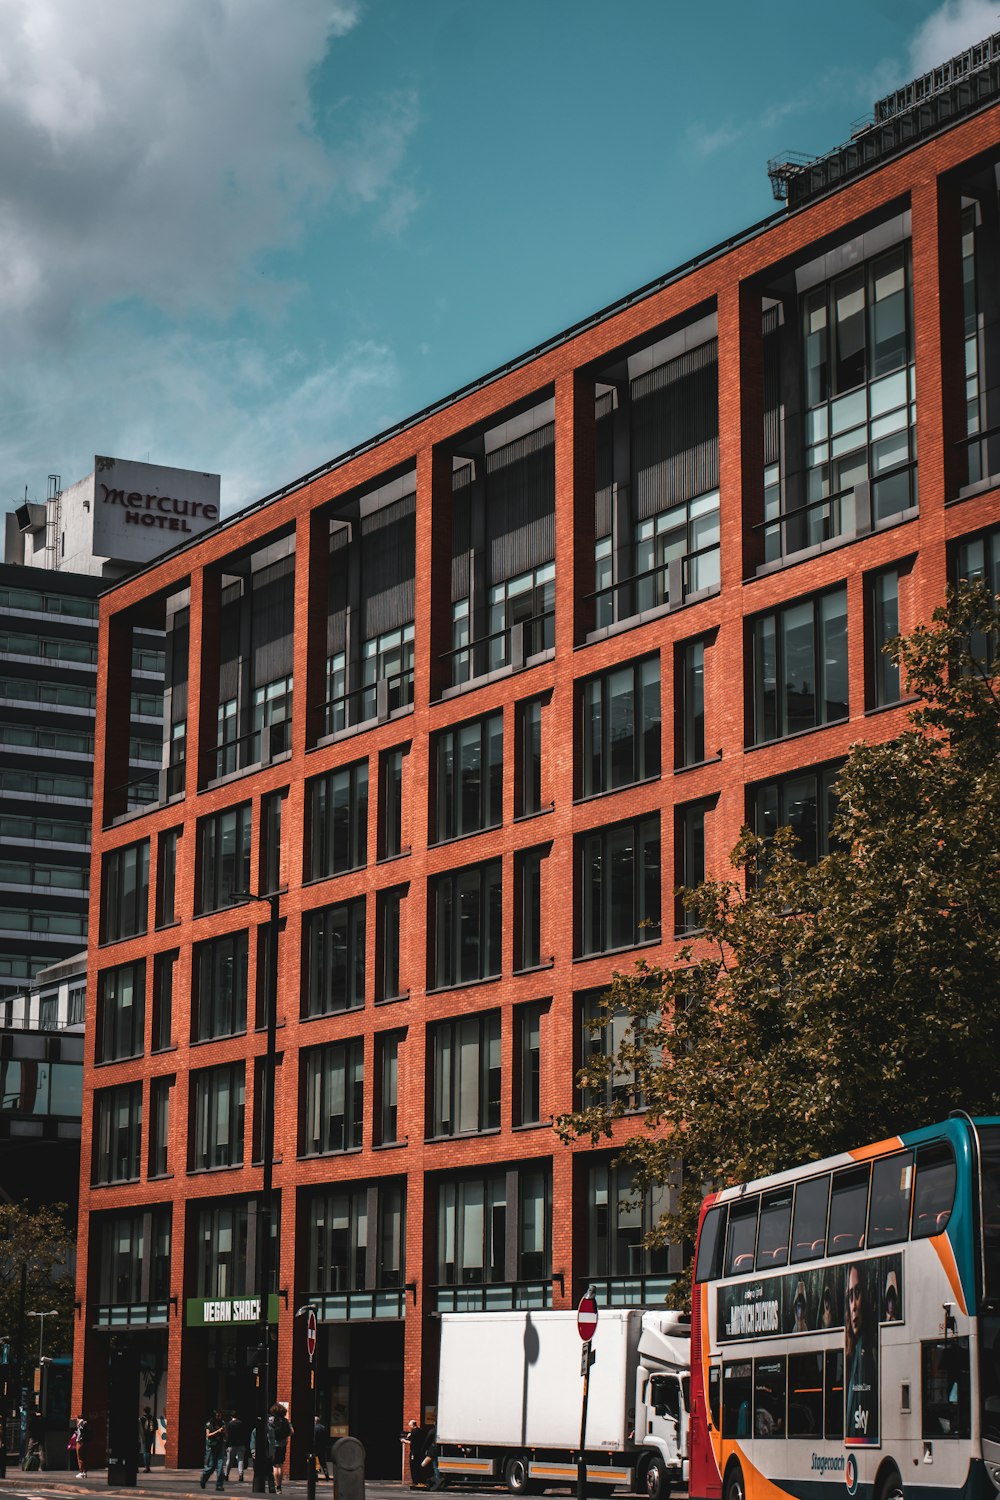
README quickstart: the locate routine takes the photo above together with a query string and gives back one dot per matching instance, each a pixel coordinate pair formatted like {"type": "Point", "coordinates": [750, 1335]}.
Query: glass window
{"type": "Point", "coordinates": [848, 1210]}
{"type": "Point", "coordinates": [334, 959]}
{"type": "Point", "coordinates": [332, 1098]}
{"type": "Point", "coordinates": [124, 1245]}
{"type": "Point", "coordinates": [806, 802]}
{"type": "Point", "coordinates": [690, 704]}
{"type": "Point", "coordinates": [125, 892]}
{"type": "Point", "coordinates": [620, 720]}
{"type": "Point", "coordinates": [800, 666]}
{"type": "Point", "coordinates": [618, 890]}
{"type": "Point", "coordinates": [685, 537]}
{"type": "Point", "coordinates": [121, 1010]}
{"type": "Point", "coordinates": [389, 916]}
{"type": "Point", "coordinates": [220, 984]}
{"type": "Point", "coordinates": [689, 854]}
{"type": "Point", "coordinates": [772, 1237]}
{"type": "Point", "coordinates": [528, 1021]}
{"type": "Point", "coordinates": [945, 1395]}
{"type": "Point", "coordinates": [710, 1244]}
{"type": "Point", "coordinates": [215, 1132]}
{"type": "Point", "coordinates": [805, 1395]}
{"type": "Point", "coordinates": [934, 1190]}
{"type": "Point", "coordinates": [341, 1227]}
{"type": "Point", "coordinates": [602, 1035]}
{"type": "Point", "coordinates": [387, 1102]}
{"type": "Point", "coordinates": [468, 778]}
{"type": "Point", "coordinates": [390, 816]}
{"type": "Point", "coordinates": [163, 996]}
{"type": "Point", "coordinates": [742, 1241]}
{"type": "Point", "coordinates": [528, 864]}
{"type": "Point", "coordinates": [737, 1395]}
{"type": "Point", "coordinates": [889, 1210]}
{"type": "Point", "coordinates": [337, 821]}
{"type": "Point", "coordinates": [159, 1125]}
{"type": "Point", "coordinates": [465, 1075]}
{"type": "Point", "coordinates": [466, 925]}
{"type": "Point", "coordinates": [166, 878]}
{"type": "Point", "coordinates": [223, 1234]}
{"type": "Point", "coordinates": [117, 1141]}
{"type": "Point", "coordinates": [812, 1200]}
{"type": "Point", "coordinates": [833, 1388]}
{"type": "Point", "coordinates": [884, 614]}
{"type": "Point", "coordinates": [769, 1398]}
{"type": "Point", "coordinates": [522, 616]}
{"type": "Point", "coordinates": [619, 1218]}
{"type": "Point", "coordinates": [271, 872]}
{"type": "Point", "coordinates": [223, 858]}
{"type": "Point", "coordinates": [978, 560]}
{"type": "Point", "coordinates": [528, 767]}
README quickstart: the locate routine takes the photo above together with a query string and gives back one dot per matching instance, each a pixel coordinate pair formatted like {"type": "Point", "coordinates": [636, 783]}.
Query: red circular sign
{"type": "Point", "coordinates": [311, 1332]}
{"type": "Point", "coordinates": [586, 1317]}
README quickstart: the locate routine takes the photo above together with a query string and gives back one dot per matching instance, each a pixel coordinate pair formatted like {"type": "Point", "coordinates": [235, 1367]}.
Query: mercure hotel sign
{"type": "Point", "coordinates": [141, 510]}
{"type": "Point", "coordinates": [164, 511]}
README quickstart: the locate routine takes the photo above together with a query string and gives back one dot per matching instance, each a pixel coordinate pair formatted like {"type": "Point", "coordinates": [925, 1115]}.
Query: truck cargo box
{"type": "Point", "coordinates": [513, 1379]}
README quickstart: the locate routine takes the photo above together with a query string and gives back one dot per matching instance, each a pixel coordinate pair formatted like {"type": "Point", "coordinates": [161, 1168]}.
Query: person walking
{"type": "Point", "coordinates": [79, 1446]}
{"type": "Point", "coordinates": [147, 1438]}
{"type": "Point", "coordinates": [321, 1447]}
{"type": "Point", "coordinates": [255, 1456]}
{"type": "Point", "coordinates": [280, 1430]}
{"type": "Point", "coordinates": [215, 1449]}
{"type": "Point", "coordinates": [236, 1452]}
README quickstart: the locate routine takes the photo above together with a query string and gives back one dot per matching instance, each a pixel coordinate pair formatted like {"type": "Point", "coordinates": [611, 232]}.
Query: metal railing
{"type": "Point", "coordinates": [493, 1296]}
{"type": "Point", "coordinates": [520, 643]}
{"type": "Point", "coordinates": [371, 703]}
{"type": "Point", "coordinates": [665, 585]}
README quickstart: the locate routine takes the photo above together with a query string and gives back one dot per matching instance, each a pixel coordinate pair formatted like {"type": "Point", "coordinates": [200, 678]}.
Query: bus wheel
{"type": "Point", "coordinates": [515, 1474]}
{"type": "Point", "coordinates": [655, 1484]}
{"type": "Point", "coordinates": [891, 1487]}
{"type": "Point", "coordinates": [735, 1488]}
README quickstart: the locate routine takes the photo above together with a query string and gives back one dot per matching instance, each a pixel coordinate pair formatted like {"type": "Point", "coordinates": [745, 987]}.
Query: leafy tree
{"type": "Point", "coordinates": [36, 1247]}
{"type": "Point", "coordinates": [821, 1007]}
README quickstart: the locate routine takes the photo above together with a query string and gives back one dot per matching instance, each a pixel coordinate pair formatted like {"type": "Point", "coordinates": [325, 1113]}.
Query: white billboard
{"type": "Point", "coordinates": [141, 510]}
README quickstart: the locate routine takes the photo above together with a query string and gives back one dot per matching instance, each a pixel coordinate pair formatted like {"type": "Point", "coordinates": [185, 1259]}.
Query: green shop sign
{"type": "Point", "coordinates": [209, 1312]}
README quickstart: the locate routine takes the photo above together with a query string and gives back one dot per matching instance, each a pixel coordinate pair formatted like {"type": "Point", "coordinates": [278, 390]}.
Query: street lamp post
{"type": "Point", "coordinates": [50, 1312]}
{"type": "Point", "coordinates": [262, 1471]}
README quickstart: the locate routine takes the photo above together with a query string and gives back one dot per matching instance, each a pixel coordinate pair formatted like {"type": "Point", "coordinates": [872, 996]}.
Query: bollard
{"type": "Point", "coordinates": [348, 1468]}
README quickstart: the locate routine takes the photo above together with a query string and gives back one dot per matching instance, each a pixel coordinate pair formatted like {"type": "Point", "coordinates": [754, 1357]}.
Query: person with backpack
{"type": "Point", "coordinates": [279, 1431]}
{"type": "Point", "coordinates": [255, 1457]}
{"type": "Point", "coordinates": [147, 1438]}
{"type": "Point", "coordinates": [215, 1449]}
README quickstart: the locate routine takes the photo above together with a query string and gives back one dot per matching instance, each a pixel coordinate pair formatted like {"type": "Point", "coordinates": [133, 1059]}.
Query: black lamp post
{"type": "Point", "coordinates": [262, 1472]}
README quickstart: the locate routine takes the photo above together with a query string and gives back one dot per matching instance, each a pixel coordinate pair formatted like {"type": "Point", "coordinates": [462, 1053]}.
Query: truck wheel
{"type": "Point", "coordinates": [735, 1488]}
{"type": "Point", "coordinates": [655, 1484]}
{"type": "Point", "coordinates": [515, 1474]}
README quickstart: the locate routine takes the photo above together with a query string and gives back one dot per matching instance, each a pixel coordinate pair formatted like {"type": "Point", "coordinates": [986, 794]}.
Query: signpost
{"type": "Point", "coordinates": [586, 1327]}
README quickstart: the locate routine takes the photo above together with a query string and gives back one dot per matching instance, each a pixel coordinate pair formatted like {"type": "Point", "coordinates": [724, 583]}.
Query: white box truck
{"type": "Point", "coordinates": [510, 1393]}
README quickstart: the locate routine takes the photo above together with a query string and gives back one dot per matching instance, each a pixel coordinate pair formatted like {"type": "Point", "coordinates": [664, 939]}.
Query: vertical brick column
{"type": "Point", "coordinates": [111, 751]}
{"type": "Point", "coordinates": [938, 337]}
{"type": "Point", "coordinates": [312, 572]}
{"type": "Point", "coordinates": [203, 676]}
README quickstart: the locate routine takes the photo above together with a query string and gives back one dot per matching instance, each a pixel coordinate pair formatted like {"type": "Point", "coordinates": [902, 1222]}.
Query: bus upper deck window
{"type": "Point", "coordinates": [848, 1210]}
{"type": "Point", "coordinates": [889, 1210]}
{"type": "Point", "coordinates": [934, 1190]}
{"type": "Point", "coordinates": [809, 1218]}
{"type": "Point", "coordinates": [742, 1236]}
{"type": "Point", "coordinates": [772, 1237]}
{"type": "Point", "coordinates": [710, 1244]}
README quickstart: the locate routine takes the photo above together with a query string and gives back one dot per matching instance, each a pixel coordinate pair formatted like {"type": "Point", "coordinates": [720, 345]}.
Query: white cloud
{"type": "Point", "coordinates": [154, 153]}
{"type": "Point", "coordinates": [949, 30]}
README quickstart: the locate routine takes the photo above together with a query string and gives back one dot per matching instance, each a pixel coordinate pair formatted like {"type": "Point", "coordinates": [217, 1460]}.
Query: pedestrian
{"type": "Point", "coordinates": [279, 1431]}
{"type": "Point", "coordinates": [236, 1451]}
{"type": "Point", "coordinates": [34, 1458]}
{"type": "Point", "coordinates": [321, 1447]}
{"type": "Point", "coordinates": [415, 1438]}
{"type": "Point", "coordinates": [215, 1449]}
{"type": "Point", "coordinates": [258, 1459]}
{"type": "Point", "coordinates": [80, 1446]}
{"type": "Point", "coordinates": [147, 1438]}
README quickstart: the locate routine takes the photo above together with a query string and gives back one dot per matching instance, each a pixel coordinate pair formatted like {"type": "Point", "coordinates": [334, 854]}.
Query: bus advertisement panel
{"type": "Point", "coordinates": [846, 1325]}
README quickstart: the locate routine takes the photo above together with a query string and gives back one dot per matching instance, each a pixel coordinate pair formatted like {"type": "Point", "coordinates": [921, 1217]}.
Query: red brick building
{"type": "Point", "coordinates": [475, 698]}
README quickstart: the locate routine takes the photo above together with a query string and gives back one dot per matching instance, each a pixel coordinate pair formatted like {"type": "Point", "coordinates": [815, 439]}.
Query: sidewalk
{"type": "Point", "coordinates": [159, 1484]}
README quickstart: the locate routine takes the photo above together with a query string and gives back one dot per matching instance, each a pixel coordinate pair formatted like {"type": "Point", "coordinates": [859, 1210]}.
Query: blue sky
{"type": "Point", "coordinates": [243, 235]}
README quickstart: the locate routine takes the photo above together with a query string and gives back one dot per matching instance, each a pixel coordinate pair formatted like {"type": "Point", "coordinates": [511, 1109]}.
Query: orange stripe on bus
{"type": "Point", "coordinates": [946, 1255]}
{"type": "Point", "coordinates": [881, 1148]}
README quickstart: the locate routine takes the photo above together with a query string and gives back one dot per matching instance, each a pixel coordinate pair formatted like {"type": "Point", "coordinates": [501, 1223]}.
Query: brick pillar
{"type": "Point", "coordinates": [203, 677]}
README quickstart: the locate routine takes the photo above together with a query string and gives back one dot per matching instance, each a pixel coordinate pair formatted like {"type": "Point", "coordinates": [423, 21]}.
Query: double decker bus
{"type": "Point", "coordinates": [845, 1329]}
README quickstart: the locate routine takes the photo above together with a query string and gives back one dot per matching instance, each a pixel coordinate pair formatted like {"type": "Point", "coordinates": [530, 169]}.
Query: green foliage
{"type": "Point", "coordinates": [822, 1007]}
{"type": "Point", "coordinates": [38, 1239]}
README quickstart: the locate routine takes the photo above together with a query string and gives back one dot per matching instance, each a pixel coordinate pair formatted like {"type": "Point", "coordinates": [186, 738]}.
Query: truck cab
{"type": "Point", "coordinates": [662, 1403]}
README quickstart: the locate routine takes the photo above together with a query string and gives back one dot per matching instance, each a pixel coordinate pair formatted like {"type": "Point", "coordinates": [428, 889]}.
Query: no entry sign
{"type": "Point", "coordinates": [586, 1317]}
{"type": "Point", "coordinates": [311, 1333]}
